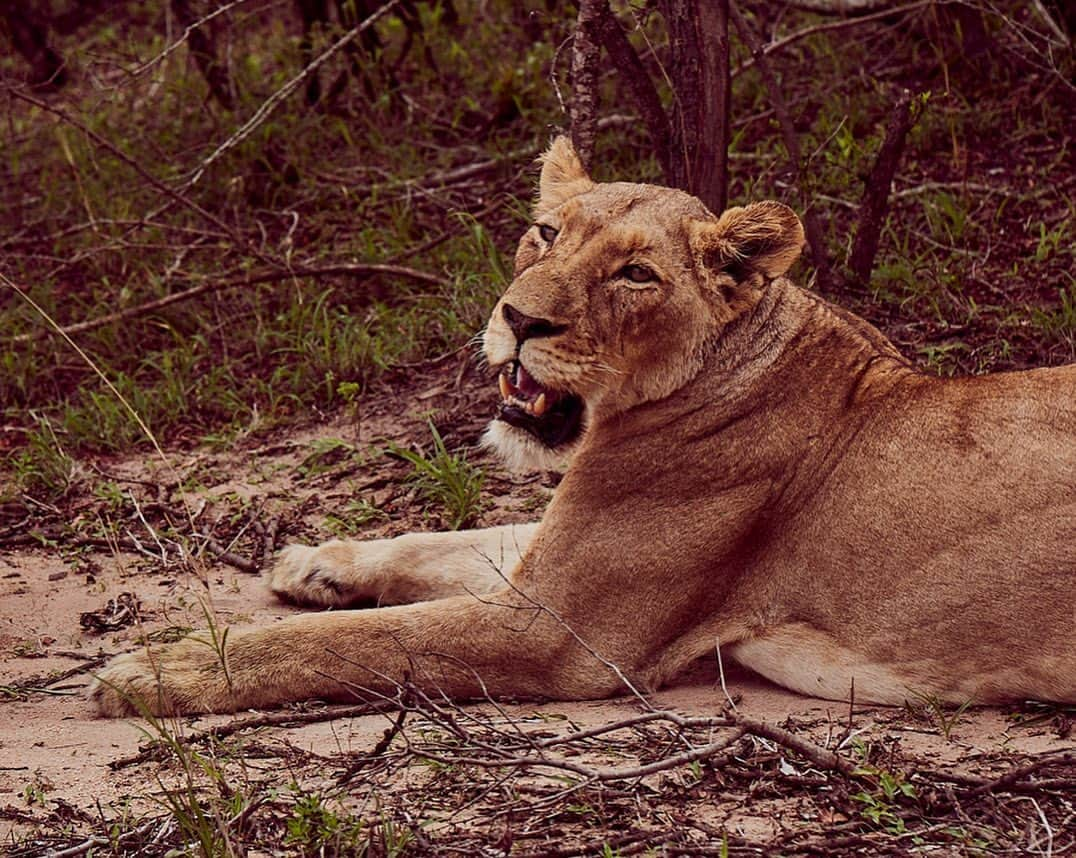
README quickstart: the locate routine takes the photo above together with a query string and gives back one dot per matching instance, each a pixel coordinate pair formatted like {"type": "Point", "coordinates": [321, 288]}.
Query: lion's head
{"type": "Point", "coordinates": [620, 290]}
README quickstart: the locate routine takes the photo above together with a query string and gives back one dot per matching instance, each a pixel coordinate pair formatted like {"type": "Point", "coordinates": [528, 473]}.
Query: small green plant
{"type": "Point", "coordinates": [111, 494]}
{"type": "Point", "coordinates": [446, 479]}
{"type": "Point", "coordinates": [218, 641]}
{"type": "Point", "coordinates": [940, 714]}
{"type": "Point", "coordinates": [207, 819]}
{"type": "Point", "coordinates": [941, 358]}
{"type": "Point", "coordinates": [29, 648]}
{"type": "Point", "coordinates": [325, 454]}
{"type": "Point", "coordinates": [1059, 322]}
{"type": "Point", "coordinates": [1050, 240]}
{"type": "Point", "coordinates": [36, 791]}
{"type": "Point", "coordinates": [880, 805]}
{"type": "Point", "coordinates": [948, 217]}
{"type": "Point", "coordinates": [43, 468]}
{"type": "Point", "coordinates": [315, 829]}
{"type": "Point", "coordinates": [353, 518]}
{"type": "Point", "coordinates": [486, 249]}
{"type": "Point", "coordinates": [394, 840]}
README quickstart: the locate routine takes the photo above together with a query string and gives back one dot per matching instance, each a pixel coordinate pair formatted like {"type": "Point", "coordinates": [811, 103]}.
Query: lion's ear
{"type": "Point", "coordinates": [764, 237]}
{"type": "Point", "coordinates": [563, 176]}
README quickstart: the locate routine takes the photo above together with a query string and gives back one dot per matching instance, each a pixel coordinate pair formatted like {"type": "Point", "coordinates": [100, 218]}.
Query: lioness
{"type": "Point", "coordinates": [751, 468]}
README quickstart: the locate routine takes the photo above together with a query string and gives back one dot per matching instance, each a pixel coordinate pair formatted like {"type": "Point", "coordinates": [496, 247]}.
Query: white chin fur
{"type": "Point", "coordinates": [520, 451]}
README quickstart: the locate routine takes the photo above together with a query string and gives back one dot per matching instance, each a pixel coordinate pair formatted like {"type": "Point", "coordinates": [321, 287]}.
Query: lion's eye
{"type": "Point", "coordinates": [547, 233]}
{"type": "Point", "coordinates": [637, 274]}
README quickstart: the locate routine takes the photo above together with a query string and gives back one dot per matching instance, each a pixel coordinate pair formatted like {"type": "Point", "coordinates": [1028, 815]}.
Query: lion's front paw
{"type": "Point", "coordinates": [177, 679]}
{"type": "Point", "coordinates": [323, 576]}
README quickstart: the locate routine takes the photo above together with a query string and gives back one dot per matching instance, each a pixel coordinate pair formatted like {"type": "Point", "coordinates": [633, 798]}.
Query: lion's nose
{"type": "Point", "coordinates": [529, 327]}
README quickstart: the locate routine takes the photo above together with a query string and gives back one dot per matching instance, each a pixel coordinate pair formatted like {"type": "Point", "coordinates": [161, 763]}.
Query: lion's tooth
{"type": "Point", "coordinates": [539, 405]}
{"type": "Point", "coordinates": [506, 390]}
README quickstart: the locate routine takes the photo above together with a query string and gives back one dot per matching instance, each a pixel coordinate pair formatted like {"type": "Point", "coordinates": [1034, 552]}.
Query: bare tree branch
{"type": "Point", "coordinates": [173, 194]}
{"type": "Point", "coordinates": [813, 228]}
{"type": "Point", "coordinates": [841, 7]}
{"type": "Point", "coordinates": [271, 103]}
{"type": "Point", "coordinates": [716, 120]}
{"type": "Point", "coordinates": [698, 43]}
{"type": "Point", "coordinates": [642, 88]}
{"type": "Point", "coordinates": [875, 203]}
{"type": "Point", "coordinates": [847, 23]}
{"type": "Point", "coordinates": [184, 36]}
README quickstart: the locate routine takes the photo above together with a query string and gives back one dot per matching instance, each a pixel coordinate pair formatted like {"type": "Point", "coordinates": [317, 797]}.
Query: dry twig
{"type": "Point", "coordinates": [289, 718]}
{"type": "Point", "coordinates": [361, 270]}
{"type": "Point", "coordinates": [174, 195]}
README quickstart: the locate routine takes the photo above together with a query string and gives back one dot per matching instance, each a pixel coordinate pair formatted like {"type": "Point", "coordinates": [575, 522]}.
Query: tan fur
{"type": "Point", "coordinates": [760, 471]}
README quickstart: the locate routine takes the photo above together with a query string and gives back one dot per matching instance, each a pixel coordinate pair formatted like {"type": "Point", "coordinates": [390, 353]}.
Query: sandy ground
{"type": "Point", "coordinates": [51, 738]}
{"type": "Point", "coordinates": [54, 752]}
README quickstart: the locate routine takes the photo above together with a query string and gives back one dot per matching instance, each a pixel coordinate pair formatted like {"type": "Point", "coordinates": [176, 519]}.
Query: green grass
{"type": "Point", "coordinates": [306, 188]}
{"type": "Point", "coordinates": [445, 479]}
{"type": "Point", "coordinates": [355, 516]}
{"type": "Point", "coordinates": [1059, 321]}
{"type": "Point", "coordinates": [314, 828]}
{"type": "Point", "coordinates": [42, 467]}
{"type": "Point", "coordinates": [87, 234]}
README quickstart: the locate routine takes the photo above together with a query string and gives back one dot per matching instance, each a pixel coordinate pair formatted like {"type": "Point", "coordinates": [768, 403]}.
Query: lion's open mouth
{"type": "Point", "coordinates": [553, 417]}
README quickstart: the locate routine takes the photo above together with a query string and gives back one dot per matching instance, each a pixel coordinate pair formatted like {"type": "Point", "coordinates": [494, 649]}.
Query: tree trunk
{"type": "Point", "coordinates": [699, 71]}
{"type": "Point", "coordinates": [586, 59]}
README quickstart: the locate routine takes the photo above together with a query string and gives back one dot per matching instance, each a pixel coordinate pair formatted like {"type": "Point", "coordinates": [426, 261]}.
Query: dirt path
{"type": "Point", "coordinates": [65, 606]}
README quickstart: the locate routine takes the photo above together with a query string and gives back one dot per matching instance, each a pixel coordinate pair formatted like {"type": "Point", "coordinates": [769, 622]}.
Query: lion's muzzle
{"type": "Point", "coordinates": [553, 417]}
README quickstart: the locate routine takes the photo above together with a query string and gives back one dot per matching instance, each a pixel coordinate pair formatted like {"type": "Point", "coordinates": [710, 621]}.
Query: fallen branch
{"type": "Point", "coordinates": [1012, 779]}
{"type": "Point", "coordinates": [254, 278]}
{"type": "Point", "coordinates": [41, 683]}
{"type": "Point", "coordinates": [740, 726]}
{"type": "Point", "coordinates": [111, 842]}
{"type": "Point", "coordinates": [821, 757]}
{"type": "Point", "coordinates": [384, 742]}
{"type": "Point", "coordinates": [269, 719]}
{"type": "Point", "coordinates": [231, 558]}
{"type": "Point", "coordinates": [619, 845]}
{"type": "Point", "coordinates": [590, 773]}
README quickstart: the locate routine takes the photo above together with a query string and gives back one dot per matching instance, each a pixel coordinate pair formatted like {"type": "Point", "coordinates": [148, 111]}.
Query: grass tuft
{"type": "Point", "coordinates": [446, 479]}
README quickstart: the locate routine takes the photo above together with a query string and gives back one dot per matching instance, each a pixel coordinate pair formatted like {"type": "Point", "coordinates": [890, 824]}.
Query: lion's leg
{"type": "Point", "coordinates": [463, 647]}
{"type": "Point", "coordinates": [416, 567]}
